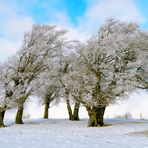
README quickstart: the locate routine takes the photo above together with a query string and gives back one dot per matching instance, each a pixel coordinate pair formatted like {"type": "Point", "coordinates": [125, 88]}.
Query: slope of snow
{"type": "Point", "coordinates": [61, 133]}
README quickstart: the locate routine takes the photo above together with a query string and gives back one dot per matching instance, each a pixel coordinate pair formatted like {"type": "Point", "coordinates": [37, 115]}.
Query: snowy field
{"type": "Point", "coordinates": [61, 133]}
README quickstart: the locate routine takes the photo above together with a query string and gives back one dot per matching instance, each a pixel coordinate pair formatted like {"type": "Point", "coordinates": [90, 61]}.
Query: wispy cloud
{"type": "Point", "coordinates": [13, 23]}
{"type": "Point", "coordinates": [99, 10]}
{"type": "Point", "coordinates": [13, 26]}
{"type": "Point", "coordinates": [8, 48]}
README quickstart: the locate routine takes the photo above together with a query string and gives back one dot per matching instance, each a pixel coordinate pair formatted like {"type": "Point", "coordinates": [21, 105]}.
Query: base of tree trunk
{"type": "Point", "coordinates": [2, 113]}
{"type": "Point", "coordinates": [69, 109]}
{"type": "Point", "coordinates": [75, 115]}
{"type": "Point", "coordinates": [19, 116]}
{"type": "Point", "coordinates": [1, 126]}
{"type": "Point", "coordinates": [19, 122]}
{"type": "Point", "coordinates": [100, 114]}
{"type": "Point", "coordinates": [76, 118]}
{"type": "Point", "coordinates": [96, 116]}
{"type": "Point", "coordinates": [46, 110]}
{"type": "Point", "coordinates": [92, 117]}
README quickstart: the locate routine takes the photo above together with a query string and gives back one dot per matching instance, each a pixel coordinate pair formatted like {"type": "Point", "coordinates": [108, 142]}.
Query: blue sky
{"type": "Point", "coordinates": [42, 11]}
{"type": "Point", "coordinates": [81, 17]}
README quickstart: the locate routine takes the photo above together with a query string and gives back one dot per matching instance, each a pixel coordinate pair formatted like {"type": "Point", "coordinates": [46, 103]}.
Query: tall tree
{"type": "Point", "coordinates": [106, 68]}
{"type": "Point", "coordinates": [6, 99]}
{"type": "Point", "coordinates": [142, 69]}
{"type": "Point", "coordinates": [40, 47]}
{"type": "Point", "coordinates": [66, 68]}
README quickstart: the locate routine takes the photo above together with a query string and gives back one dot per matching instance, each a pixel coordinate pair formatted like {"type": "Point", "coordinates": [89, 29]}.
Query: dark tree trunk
{"type": "Point", "coordinates": [69, 109]}
{"type": "Point", "coordinates": [46, 110]}
{"type": "Point", "coordinates": [19, 116]}
{"type": "Point", "coordinates": [76, 111]}
{"type": "Point", "coordinates": [2, 114]}
{"type": "Point", "coordinates": [100, 115]}
{"type": "Point", "coordinates": [92, 113]}
{"type": "Point", "coordinates": [96, 116]}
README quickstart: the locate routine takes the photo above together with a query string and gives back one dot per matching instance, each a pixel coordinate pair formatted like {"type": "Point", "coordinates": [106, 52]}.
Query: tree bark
{"type": "Point", "coordinates": [2, 114]}
{"type": "Point", "coordinates": [100, 115]}
{"type": "Point", "coordinates": [92, 113]}
{"type": "Point", "coordinates": [96, 116]}
{"type": "Point", "coordinates": [75, 115]}
{"type": "Point", "coordinates": [19, 115]}
{"type": "Point", "coordinates": [46, 110]}
{"type": "Point", "coordinates": [69, 109]}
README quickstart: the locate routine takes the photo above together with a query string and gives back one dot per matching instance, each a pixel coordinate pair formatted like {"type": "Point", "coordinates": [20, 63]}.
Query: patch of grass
{"type": "Point", "coordinates": [136, 122]}
{"type": "Point", "coordinates": [2, 126]}
{"type": "Point", "coordinates": [107, 124]}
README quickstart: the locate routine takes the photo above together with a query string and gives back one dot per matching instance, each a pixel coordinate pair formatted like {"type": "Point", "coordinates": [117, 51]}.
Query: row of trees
{"type": "Point", "coordinates": [97, 73]}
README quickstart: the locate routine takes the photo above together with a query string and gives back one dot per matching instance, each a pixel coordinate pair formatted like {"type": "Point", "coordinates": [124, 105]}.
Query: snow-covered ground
{"type": "Point", "coordinates": [61, 133]}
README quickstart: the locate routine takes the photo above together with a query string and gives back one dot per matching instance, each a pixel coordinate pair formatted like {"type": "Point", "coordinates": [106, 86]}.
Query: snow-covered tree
{"type": "Point", "coordinates": [66, 67]}
{"type": "Point", "coordinates": [39, 49]}
{"type": "Point", "coordinates": [52, 89]}
{"type": "Point", "coordinates": [106, 68]}
{"type": "Point", "coordinates": [142, 69]}
{"type": "Point", "coordinates": [49, 88]}
{"type": "Point", "coordinates": [6, 91]}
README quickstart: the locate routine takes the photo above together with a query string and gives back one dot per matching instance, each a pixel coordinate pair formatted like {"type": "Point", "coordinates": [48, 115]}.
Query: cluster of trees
{"type": "Point", "coordinates": [108, 67]}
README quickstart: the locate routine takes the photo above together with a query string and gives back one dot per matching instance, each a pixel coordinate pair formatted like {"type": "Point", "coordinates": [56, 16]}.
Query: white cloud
{"type": "Point", "coordinates": [75, 34]}
{"type": "Point", "coordinates": [7, 48]}
{"type": "Point", "coordinates": [96, 13]}
{"type": "Point", "coordinates": [16, 26]}
{"type": "Point", "coordinates": [99, 10]}
{"type": "Point", "coordinates": [13, 26]}
{"type": "Point", "coordinates": [61, 18]}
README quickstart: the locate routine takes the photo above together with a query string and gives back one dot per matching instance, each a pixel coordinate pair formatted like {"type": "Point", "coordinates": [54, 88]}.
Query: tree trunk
{"type": "Point", "coordinates": [96, 116]}
{"type": "Point", "coordinates": [2, 113]}
{"type": "Point", "coordinates": [100, 115]}
{"type": "Point", "coordinates": [92, 113]}
{"type": "Point", "coordinates": [76, 111]}
{"type": "Point", "coordinates": [46, 110]}
{"type": "Point", "coordinates": [69, 109]}
{"type": "Point", "coordinates": [19, 116]}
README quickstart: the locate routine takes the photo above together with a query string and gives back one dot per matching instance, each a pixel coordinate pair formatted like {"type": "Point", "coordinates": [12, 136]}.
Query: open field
{"type": "Point", "coordinates": [61, 133]}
